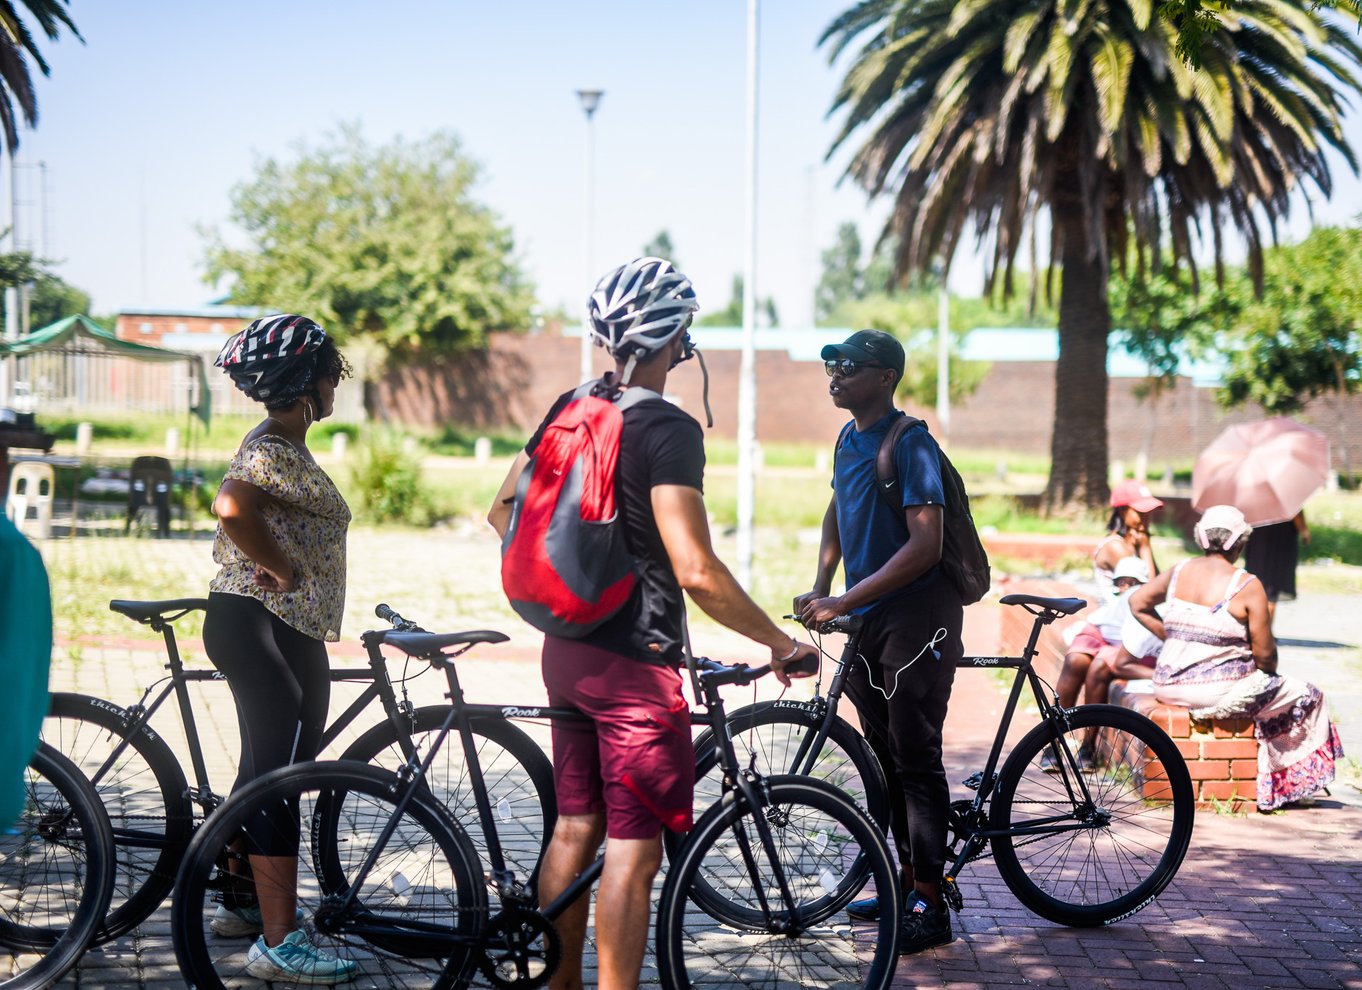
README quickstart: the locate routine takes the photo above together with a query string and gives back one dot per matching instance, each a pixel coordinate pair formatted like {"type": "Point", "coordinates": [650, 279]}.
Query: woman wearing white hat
{"type": "Point", "coordinates": [1220, 660]}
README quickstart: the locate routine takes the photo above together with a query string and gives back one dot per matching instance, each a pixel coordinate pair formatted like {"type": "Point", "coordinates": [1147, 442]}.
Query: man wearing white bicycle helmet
{"type": "Point", "coordinates": [629, 772]}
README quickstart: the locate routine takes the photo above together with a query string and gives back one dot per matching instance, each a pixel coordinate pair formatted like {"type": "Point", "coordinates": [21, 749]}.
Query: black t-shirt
{"type": "Point", "coordinates": [659, 445]}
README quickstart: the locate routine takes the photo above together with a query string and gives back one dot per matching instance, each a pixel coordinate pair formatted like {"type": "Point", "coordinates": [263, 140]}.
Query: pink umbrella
{"type": "Point", "coordinates": [1265, 469]}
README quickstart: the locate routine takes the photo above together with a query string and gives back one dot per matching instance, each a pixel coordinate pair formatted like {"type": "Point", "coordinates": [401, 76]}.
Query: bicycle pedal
{"type": "Point", "coordinates": [950, 893]}
{"type": "Point", "coordinates": [974, 781]}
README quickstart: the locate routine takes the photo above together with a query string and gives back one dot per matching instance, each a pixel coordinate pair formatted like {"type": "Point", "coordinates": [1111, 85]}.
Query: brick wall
{"type": "Point", "coordinates": [152, 328]}
{"type": "Point", "coordinates": [510, 386]}
{"type": "Point", "coordinates": [1222, 756]}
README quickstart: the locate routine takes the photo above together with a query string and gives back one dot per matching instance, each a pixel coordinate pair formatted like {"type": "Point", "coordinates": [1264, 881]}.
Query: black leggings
{"type": "Point", "coordinates": [281, 681]}
{"type": "Point", "coordinates": [905, 731]}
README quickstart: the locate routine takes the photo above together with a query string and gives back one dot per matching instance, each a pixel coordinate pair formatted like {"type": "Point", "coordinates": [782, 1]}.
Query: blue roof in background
{"type": "Point", "coordinates": [206, 312]}
{"type": "Point", "coordinates": [984, 344]}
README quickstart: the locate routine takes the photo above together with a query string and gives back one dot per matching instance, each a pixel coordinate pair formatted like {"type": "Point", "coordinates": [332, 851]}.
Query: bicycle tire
{"type": "Point", "coordinates": [61, 812]}
{"type": "Point", "coordinates": [781, 949]}
{"type": "Point", "coordinates": [518, 776]}
{"type": "Point", "coordinates": [144, 793]}
{"type": "Point", "coordinates": [1139, 831]}
{"type": "Point", "coordinates": [426, 886]}
{"type": "Point", "coordinates": [774, 734]}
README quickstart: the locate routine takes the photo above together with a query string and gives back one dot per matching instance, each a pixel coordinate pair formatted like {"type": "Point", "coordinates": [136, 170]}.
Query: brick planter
{"type": "Point", "coordinates": [1221, 755]}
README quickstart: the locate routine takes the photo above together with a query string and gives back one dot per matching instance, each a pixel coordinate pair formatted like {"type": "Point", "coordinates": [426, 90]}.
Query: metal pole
{"type": "Point", "coordinates": [12, 245]}
{"type": "Point", "coordinates": [590, 99]}
{"type": "Point", "coordinates": [943, 360]}
{"type": "Point", "coordinates": [747, 376]}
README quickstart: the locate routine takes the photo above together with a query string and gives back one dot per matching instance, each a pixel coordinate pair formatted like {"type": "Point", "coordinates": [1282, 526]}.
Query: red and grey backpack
{"type": "Point", "coordinates": [565, 566]}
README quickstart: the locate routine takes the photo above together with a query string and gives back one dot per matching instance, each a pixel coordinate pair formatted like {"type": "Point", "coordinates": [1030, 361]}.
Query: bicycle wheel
{"type": "Point", "coordinates": [144, 793]}
{"type": "Point", "coordinates": [518, 776]}
{"type": "Point", "coordinates": [56, 874]}
{"type": "Point", "coordinates": [1098, 862]}
{"type": "Point", "coordinates": [416, 915]}
{"type": "Point", "coordinates": [779, 734]}
{"type": "Point", "coordinates": [779, 738]}
{"type": "Point", "coordinates": [817, 834]}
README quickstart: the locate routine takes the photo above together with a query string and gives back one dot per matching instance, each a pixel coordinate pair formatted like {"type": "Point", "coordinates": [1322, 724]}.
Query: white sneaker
{"type": "Point", "coordinates": [297, 960]}
{"type": "Point", "coordinates": [240, 922]}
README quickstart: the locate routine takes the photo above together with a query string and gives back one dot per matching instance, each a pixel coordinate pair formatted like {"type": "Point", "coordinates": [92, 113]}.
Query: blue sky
{"type": "Point", "coordinates": [169, 104]}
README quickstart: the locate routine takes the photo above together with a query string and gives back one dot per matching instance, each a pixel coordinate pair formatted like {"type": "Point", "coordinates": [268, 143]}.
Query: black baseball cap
{"type": "Point", "coordinates": [869, 347]}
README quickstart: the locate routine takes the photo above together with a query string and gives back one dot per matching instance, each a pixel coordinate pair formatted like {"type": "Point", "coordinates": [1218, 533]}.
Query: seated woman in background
{"type": "Point", "coordinates": [1087, 660]}
{"type": "Point", "coordinates": [1127, 533]}
{"type": "Point", "coordinates": [1219, 659]}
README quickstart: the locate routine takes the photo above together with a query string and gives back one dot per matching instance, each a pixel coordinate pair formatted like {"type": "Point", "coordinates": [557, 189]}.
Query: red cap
{"type": "Point", "coordinates": [1135, 494]}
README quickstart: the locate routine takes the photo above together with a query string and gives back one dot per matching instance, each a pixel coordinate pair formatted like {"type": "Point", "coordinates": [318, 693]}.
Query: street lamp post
{"type": "Point", "coordinates": [747, 369]}
{"type": "Point", "coordinates": [590, 99]}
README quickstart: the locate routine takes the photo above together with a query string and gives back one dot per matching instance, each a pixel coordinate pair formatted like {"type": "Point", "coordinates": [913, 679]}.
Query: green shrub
{"type": "Point", "coordinates": [388, 484]}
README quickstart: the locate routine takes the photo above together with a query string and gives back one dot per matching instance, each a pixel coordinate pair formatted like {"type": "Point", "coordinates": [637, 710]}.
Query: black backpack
{"type": "Point", "coordinates": [963, 558]}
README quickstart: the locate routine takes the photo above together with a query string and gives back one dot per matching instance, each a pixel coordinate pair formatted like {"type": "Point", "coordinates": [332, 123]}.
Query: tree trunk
{"type": "Point", "coordinates": [1078, 440]}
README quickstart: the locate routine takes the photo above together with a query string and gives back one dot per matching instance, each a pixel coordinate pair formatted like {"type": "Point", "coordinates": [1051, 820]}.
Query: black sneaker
{"type": "Point", "coordinates": [925, 926]}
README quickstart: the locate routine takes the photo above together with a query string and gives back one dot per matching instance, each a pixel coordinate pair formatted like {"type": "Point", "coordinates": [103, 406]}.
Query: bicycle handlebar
{"type": "Point", "coordinates": [386, 613]}
{"type": "Point", "coordinates": [837, 624]}
{"type": "Point", "coordinates": [714, 672]}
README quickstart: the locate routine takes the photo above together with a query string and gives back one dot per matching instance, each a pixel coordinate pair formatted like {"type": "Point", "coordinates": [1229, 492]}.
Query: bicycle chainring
{"type": "Point", "coordinates": [520, 949]}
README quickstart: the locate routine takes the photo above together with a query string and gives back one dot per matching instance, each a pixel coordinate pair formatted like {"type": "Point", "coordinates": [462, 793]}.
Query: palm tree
{"type": "Point", "coordinates": [1076, 120]}
{"type": "Point", "coordinates": [17, 46]}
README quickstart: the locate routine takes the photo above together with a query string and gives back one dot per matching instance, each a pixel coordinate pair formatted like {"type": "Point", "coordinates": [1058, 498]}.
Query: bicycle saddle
{"type": "Point", "coordinates": [1065, 606]}
{"type": "Point", "coordinates": [424, 644]}
{"type": "Point", "coordinates": [146, 612]}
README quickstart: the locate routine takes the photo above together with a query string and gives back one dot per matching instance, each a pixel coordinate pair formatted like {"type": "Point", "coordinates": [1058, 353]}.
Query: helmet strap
{"type": "Point", "coordinates": [629, 368]}
{"type": "Point", "coordinates": [709, 416]}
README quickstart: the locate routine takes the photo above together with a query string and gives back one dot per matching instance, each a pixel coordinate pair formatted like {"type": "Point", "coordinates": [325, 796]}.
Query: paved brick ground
{"type": "Point", "coordinates": [1261, 901]}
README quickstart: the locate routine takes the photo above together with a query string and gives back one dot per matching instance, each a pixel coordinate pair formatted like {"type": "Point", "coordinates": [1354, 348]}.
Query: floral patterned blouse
{"type": "Point", "coordinates": [309, 522]}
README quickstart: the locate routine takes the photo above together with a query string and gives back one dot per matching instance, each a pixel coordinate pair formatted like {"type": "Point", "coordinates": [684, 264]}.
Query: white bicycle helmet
{"type": "Point", "coordinates": [640, 307]}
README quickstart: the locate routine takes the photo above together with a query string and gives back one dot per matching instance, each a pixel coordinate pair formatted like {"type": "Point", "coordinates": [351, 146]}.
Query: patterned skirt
{"type": "Point", "coordinates": [1297, 744]}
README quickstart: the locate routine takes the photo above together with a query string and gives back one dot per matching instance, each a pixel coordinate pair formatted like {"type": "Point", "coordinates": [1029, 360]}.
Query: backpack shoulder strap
{"type": "Point", "coordinates": [633, 396]}
{"type": "Point", "coordinates": [886, 469]}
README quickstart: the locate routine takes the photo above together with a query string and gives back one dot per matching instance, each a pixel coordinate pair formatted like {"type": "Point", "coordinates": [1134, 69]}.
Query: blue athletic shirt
{"type": "Point", "coordinates": [869, 531]}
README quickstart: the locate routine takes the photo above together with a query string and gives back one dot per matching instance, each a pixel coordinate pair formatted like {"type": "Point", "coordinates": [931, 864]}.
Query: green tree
{"type": "Point", "coordinates": [385, 244]}
{"type": "Point", "coordinates": [1194, 19]}
{"type": "Point", "coordinates": [1081, 118]}
{"type": "Point", "coordinates": [1299, 339]}
{"type": "Point", "coordinates": [731, 315]}
{"type": "Point", "coordinates": [661, 246]}
{"type": "Point", "coordinates": [841, 281]}
{"type": "Point", "coordinates": [17, 47]}
{"type": "Point", "coordinates": [52, 299]}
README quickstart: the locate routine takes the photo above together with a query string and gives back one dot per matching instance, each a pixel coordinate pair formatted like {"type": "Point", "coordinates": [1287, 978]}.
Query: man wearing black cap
{"type": "Point", "coordinates": [910, 639]}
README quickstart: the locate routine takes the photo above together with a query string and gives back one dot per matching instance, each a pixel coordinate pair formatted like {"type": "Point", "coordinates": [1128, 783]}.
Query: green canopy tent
{"type": "Point", "coordinates": [81, 337]}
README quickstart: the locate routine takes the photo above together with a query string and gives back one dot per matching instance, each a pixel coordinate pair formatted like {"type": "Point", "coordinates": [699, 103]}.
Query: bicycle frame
{"type": "Point", "coordinates": [511, 891]}
{"type": "Point", "coordinates": [139, 715]}
{"type": "Point", "coordinates": [823, 710]}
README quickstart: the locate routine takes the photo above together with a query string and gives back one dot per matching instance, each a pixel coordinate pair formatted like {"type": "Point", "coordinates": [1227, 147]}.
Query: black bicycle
{"type": "Point", "coordinates": [56, 874]}
{"type": "Point", "coordinates": [1080, 843]}
{"type": "Point", "coordinates": [389, 879]}
{"type": "Point", "coordinates": [154, 810]}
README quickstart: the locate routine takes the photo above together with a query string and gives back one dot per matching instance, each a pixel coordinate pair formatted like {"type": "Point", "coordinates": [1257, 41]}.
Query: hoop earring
{"type": "Point", "coordinates": [307, 413]}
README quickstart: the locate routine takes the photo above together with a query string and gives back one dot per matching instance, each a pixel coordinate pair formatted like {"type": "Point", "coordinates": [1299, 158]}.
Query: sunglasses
{"type": "Point", "coordinates": [846, 367]}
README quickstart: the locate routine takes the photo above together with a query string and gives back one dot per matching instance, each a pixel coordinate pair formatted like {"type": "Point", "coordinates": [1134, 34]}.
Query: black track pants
{"type": "Point", "coordinates": [905, 730]}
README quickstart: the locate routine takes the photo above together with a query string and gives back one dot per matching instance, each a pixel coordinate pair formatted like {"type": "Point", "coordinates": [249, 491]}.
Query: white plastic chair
{"type": "Point", "coordinates": [30, 486]}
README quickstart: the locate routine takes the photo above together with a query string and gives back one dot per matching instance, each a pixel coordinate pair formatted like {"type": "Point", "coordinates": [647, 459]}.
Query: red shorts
{"type": "Point", "coordinates": [634, 760]}
{"type": "Point", "coordinates": [1089, 640]}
